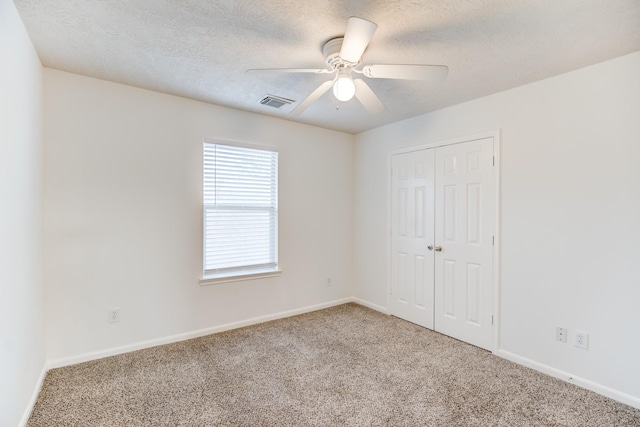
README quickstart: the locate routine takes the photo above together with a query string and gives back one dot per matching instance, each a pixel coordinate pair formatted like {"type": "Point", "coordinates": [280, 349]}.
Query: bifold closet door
{"type": "Point", "coordinates": [464, 238]}
{"type": "Point", "coordinates": [412, 219]}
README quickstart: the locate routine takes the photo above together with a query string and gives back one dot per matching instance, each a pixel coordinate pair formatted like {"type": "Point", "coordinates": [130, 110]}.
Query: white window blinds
{"type": "Point", "coordinates": [240, 210]}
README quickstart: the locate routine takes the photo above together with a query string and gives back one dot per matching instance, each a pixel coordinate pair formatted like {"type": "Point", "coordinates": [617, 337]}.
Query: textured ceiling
{"type": "Point", "coordinates": [201, 48]}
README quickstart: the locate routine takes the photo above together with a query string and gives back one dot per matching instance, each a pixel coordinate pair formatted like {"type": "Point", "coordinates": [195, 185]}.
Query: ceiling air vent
{"type": "Point", "coordinates": [275, 101]}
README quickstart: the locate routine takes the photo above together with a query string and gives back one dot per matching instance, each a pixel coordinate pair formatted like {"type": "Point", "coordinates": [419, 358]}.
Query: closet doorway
{"type": "Point", "coordinates": [443, 236]}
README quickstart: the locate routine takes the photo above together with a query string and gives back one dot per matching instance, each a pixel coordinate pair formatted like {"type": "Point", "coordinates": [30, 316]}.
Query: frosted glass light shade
{"type": "Point", "coordinates": [344, 88]}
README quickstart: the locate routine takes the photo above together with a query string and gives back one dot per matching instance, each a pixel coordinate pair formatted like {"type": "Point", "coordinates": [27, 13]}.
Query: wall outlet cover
{"type": "Point", "coordinates": [561, 334]}
{"type": "Point", "coordinates": [581, 339]}
{"type": "Point", "coordinates": [113, 315]}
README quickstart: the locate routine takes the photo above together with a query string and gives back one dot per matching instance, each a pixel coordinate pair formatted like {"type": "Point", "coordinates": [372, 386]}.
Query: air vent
{"type": "Point", "coordinates": [275, 101]}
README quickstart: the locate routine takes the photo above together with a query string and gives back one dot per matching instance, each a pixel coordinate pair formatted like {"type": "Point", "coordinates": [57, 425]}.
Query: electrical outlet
{"type": "Point", "coordinates": [113, 315]}
{"type": "Point", "coordinates": [329, 281]}
{"type": "Point", "coordinates": [581, 339]}
{"type": "Point", "coordinates": [561, 334]}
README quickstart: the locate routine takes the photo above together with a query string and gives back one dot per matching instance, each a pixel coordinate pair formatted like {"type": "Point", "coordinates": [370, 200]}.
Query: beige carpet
{"type": "Point", "coordinates": [344, 366]}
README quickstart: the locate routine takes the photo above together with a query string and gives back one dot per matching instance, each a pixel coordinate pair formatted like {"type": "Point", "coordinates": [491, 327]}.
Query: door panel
{"type": "Point", "coordinates": [449, 285]}
{"type": "Point", "coordinates": [464, 230]}
{"type": "Point", "coordinates": [412, 219]}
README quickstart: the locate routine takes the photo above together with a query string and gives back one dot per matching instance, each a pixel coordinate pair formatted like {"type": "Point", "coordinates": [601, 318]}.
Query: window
{"type": "Point", "coordinates": [240, 210]}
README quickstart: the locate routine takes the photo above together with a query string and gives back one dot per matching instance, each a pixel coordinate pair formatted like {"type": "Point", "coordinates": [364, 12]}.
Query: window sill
{"type": "Point", "coordinates": [238, 277]}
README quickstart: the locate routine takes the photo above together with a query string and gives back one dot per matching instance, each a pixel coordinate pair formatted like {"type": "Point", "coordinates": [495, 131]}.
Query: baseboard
{"type": "Point", "coordinates": [370, 305]}
{"type": "Point", "coordinates": [86, 357]}
{"type": "Point", "coordinates": [627, 399]}
{"type": "Point", "coordinates": [34, 397]}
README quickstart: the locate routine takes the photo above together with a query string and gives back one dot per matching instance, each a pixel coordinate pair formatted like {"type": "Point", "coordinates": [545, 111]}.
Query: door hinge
{"type": "Point", "coordinates": [494, 160]}
{"type": "Point", "coordinates": [493, 240]}
{"type": "Point", "coordinates": [492, 319]}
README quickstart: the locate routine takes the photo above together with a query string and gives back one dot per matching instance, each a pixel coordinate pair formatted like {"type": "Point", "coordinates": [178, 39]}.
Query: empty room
{"type": "Point", "coordinates": [335, 213]}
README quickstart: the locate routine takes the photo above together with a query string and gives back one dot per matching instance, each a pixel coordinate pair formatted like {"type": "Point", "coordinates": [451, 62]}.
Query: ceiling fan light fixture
{"type": "Point", "coordinates": [344, 89]}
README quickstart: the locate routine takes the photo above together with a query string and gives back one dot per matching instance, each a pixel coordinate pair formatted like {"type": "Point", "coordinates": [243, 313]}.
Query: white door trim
{"type": "Point", "coordinates": [495, 134]}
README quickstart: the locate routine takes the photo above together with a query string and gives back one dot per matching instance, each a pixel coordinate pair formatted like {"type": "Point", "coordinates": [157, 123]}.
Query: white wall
{"type": "Point", "coordinates": [123, 215]}
{"type": "Point", "coordinates": [22, 353]}
{"type": "Point", "coordinates": [570, 215]}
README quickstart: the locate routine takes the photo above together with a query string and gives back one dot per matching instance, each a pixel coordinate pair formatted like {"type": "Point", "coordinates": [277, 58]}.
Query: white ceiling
{"type": "Point", "coordinates": [200, 49]}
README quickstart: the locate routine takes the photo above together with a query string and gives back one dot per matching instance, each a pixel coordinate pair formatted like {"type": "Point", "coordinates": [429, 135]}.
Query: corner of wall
{"type": "Point", "coordinates": [21, 282]}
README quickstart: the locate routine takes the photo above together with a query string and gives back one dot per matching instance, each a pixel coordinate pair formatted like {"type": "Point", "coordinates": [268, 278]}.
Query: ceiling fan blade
{"type": "Point", "coordinates": [435, 73]}
{"type": "Point", "coordinates": [368, 99]}
{"type": "Point", "coordinates": [292, 70]}
{"type": "Point", "coordinates": [313, 97]}
{"type": "Point", "coordinates": [356, 38]}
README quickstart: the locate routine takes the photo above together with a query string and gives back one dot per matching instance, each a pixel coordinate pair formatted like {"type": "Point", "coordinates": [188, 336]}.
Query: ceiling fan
{"type": "Point", "coordinates": [343, 56]}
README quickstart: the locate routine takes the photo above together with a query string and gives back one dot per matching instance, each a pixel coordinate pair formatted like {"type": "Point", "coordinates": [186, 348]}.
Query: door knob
{"type": "Point", "coordinates": [430, 247]}
{"type": "Point", "coordinates": [438, 248]}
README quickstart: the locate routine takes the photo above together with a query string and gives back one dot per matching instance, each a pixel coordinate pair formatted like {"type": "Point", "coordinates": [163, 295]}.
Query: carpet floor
{"type": "Point", "coordinates": [343, 366]}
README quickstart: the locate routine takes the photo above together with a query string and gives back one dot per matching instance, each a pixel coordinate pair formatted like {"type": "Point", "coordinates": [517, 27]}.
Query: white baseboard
{"type": "Point", "coordinates": [370, 305]}
{"type": "Point", "coordinates": [627, 399]}
{"type": "Point", "coordinates": [34, 397]}
{"type": "Point", "coordinates": [66, 361]}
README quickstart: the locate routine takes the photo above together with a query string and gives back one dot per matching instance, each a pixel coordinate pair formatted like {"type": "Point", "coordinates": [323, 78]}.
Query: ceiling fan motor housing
{"type": "Point", "coordinates": [331, 52]}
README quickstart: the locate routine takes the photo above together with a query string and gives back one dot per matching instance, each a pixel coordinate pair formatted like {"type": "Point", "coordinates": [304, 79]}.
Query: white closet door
{"type": "Point", "coordinates": [463, 241]}
{"type": "Point", "coordinates": [412, 216]}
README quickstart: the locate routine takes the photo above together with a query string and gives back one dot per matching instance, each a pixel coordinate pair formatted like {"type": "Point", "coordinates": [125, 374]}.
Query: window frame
{"type": "Point", "coordinates": [208, 278]}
